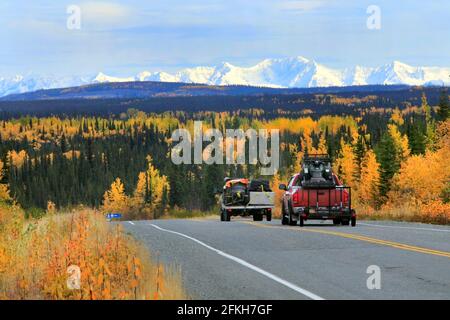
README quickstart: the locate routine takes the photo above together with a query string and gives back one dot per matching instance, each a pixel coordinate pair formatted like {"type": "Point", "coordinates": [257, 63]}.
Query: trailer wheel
{"type": "Point", "coordinates": [353, 221]}
{"type": "Point", "coordinates": [225, 216]}
{"type": "Point", "coordinates": [269, 216]}
{"type": "Point", "coordinates": [336, 221]}
{"type": "Point", "coordinates": [257, 217]}
{"type": "Point", "coordinates": [345, 222]}
{"type": "Point", "coordinates": [302, 222]}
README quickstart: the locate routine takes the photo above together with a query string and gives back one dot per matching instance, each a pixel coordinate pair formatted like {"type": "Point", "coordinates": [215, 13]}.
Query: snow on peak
{"type": "Point", "coordinates": [279, 72]}
{"type": "Point", "coordinates": [102, 78]}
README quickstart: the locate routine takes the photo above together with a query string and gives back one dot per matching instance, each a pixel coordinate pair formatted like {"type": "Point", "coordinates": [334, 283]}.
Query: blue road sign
{"type": "Point", "coordinates": [114, 216]}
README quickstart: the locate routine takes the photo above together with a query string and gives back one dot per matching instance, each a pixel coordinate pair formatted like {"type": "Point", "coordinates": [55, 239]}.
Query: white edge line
{"type": "Point", "coordinates": [248, 265]}
{"type": "Point", "coordinates": [131, 222]}
{"type": "Point", "coordinates": [400, 227]}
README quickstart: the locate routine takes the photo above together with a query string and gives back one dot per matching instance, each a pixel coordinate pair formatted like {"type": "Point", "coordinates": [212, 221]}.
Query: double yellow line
{"type": "Point", "coordinates": [393, 244]}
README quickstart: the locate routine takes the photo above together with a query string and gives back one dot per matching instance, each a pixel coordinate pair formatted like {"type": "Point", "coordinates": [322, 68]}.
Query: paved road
{"type": "Point", "coordinates": [243, 259]}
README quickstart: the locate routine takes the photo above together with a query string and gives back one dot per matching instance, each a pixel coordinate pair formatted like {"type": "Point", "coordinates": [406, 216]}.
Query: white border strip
{"type": "Point", "coordinates": [248, 265]}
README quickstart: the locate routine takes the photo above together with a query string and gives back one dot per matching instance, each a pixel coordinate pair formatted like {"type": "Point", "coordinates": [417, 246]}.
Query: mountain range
{"type": "Point", "coordinates": [296, 72]}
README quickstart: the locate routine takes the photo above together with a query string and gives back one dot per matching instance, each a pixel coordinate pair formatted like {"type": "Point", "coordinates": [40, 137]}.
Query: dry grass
{"type": "Point", "coordinates": [35, 256]}
{"type": "Point", "coordinates": [179, 213]}
{"type": "Point", "coordinates": [434, 213]}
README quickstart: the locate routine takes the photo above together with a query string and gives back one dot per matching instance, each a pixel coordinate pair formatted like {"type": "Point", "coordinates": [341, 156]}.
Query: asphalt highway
{"type": "Point", "coordinates": [243, 259]}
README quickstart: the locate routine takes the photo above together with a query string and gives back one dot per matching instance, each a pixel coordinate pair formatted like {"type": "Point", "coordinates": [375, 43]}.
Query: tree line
{"type": "Point", "coordinates": [123, 163]}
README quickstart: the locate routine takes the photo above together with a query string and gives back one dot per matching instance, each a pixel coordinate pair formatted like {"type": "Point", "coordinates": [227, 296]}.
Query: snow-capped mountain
{"type": "Point", "coordinates": [21, 84]}
{"type": "Point", "coordinates": [103, 78]}
{"type": "Point", "coordinates": [297, 72]}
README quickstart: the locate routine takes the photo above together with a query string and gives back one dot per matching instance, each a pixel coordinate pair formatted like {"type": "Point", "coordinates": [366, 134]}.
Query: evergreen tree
{"type": "Point", "coordinates": [430, 126]}
{"type": "Point", "coordinates": [63, 144]}
{"type": "Point", "coordinates": [360, 150]}
{"type": "Point", "coordinates": [416, 137]}
{"type": "Point", "coordinates": [389, 164]}
{"type": "Point", "coordinates": [443, 111]}
{"type": "Point", "coordinates": [4, 189]}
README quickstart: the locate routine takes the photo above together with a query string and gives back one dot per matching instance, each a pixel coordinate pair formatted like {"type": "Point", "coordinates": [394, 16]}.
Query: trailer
{"type": "Point", "coordinates": [241, 197]}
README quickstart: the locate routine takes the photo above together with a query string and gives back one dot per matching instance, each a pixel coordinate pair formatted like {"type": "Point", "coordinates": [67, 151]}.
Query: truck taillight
{"type": "Point", "coordinates": [345, 197]}
{"type": "Point", "coordinates": [295, 198]}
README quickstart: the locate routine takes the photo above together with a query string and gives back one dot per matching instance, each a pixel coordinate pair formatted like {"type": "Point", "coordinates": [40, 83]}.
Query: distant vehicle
{"type": "Point", "coordinates": [316, 193]}
{"type": "Point", "coordinates": [243, 197]}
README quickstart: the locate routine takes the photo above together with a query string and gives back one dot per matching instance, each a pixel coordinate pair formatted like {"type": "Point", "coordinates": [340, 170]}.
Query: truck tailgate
{"type": "Point", "coordinates": [323, 197]}
{"type": "Point", "coordinates": [262, 198]}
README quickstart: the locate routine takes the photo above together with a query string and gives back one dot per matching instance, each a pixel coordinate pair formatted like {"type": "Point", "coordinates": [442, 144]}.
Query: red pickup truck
{"type": "Point", "coordinates": [316, 193]}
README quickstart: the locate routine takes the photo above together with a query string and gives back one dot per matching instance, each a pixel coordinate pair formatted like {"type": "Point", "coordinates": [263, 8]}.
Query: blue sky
{"type": "Point", "coordinates": [125, 37]}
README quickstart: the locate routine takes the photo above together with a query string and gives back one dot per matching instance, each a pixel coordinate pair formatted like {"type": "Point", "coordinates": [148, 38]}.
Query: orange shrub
{"type": "Point", "coordinates": [35, 257]}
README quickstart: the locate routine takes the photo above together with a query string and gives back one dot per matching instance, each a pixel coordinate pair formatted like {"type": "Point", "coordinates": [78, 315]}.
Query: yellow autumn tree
{"type": "Point", "coordinates": [307, 147]}
{"type": "Point", "coordinates": [423, 179]}
{"type": "Point", "coordinates": [17, 158]}
{"type": "Point", "coordinates": [306, 142]}
{"type": "Point", "coordinates": [115, 199]}
{"type": "Point", "coordinates": [400, 141]}
{"type": "Point", "coordinates": [278, 194]}
{"type": "Point", "coordinates": [152, 190]}
{"type": "Point", "coordinates": [368, 185]}
{"type": "Point", "coordinates": [322, 147]}
{"type": "Point", "coordinates": [397, 117]}
{"type": "Point", "coordinates": [345, 164]}
{"type": "Point", "coordinates": [298, 157]}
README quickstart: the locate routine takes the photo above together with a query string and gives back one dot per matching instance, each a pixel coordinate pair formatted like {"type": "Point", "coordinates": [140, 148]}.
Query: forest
{"type": "Point", "coordinates": [393, 157]}
{"type": "Point", "coordinates": [319, 101]}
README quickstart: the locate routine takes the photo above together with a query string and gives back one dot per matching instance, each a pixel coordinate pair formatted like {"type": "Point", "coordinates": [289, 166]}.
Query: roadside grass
{"type": "Point", "coordinates": [35, 255]}
{"type": "Point", "coordinates": [179, 213]}
{"type": "Point", "coordinates": [406, 213]}
{"type": "Point", "coordinates": [433, 213]}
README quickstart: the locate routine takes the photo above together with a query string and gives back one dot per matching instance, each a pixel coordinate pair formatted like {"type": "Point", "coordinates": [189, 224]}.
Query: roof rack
{"type": "Point", "coordinates": [316, 156]}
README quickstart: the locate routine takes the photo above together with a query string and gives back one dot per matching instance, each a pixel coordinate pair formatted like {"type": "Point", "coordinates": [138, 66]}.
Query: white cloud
{"type": "Point", "coordinates": [105, 14]}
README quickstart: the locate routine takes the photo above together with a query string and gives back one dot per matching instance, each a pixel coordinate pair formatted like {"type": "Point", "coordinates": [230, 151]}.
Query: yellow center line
{"type": "Point", "coordinates": [362, 238]}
